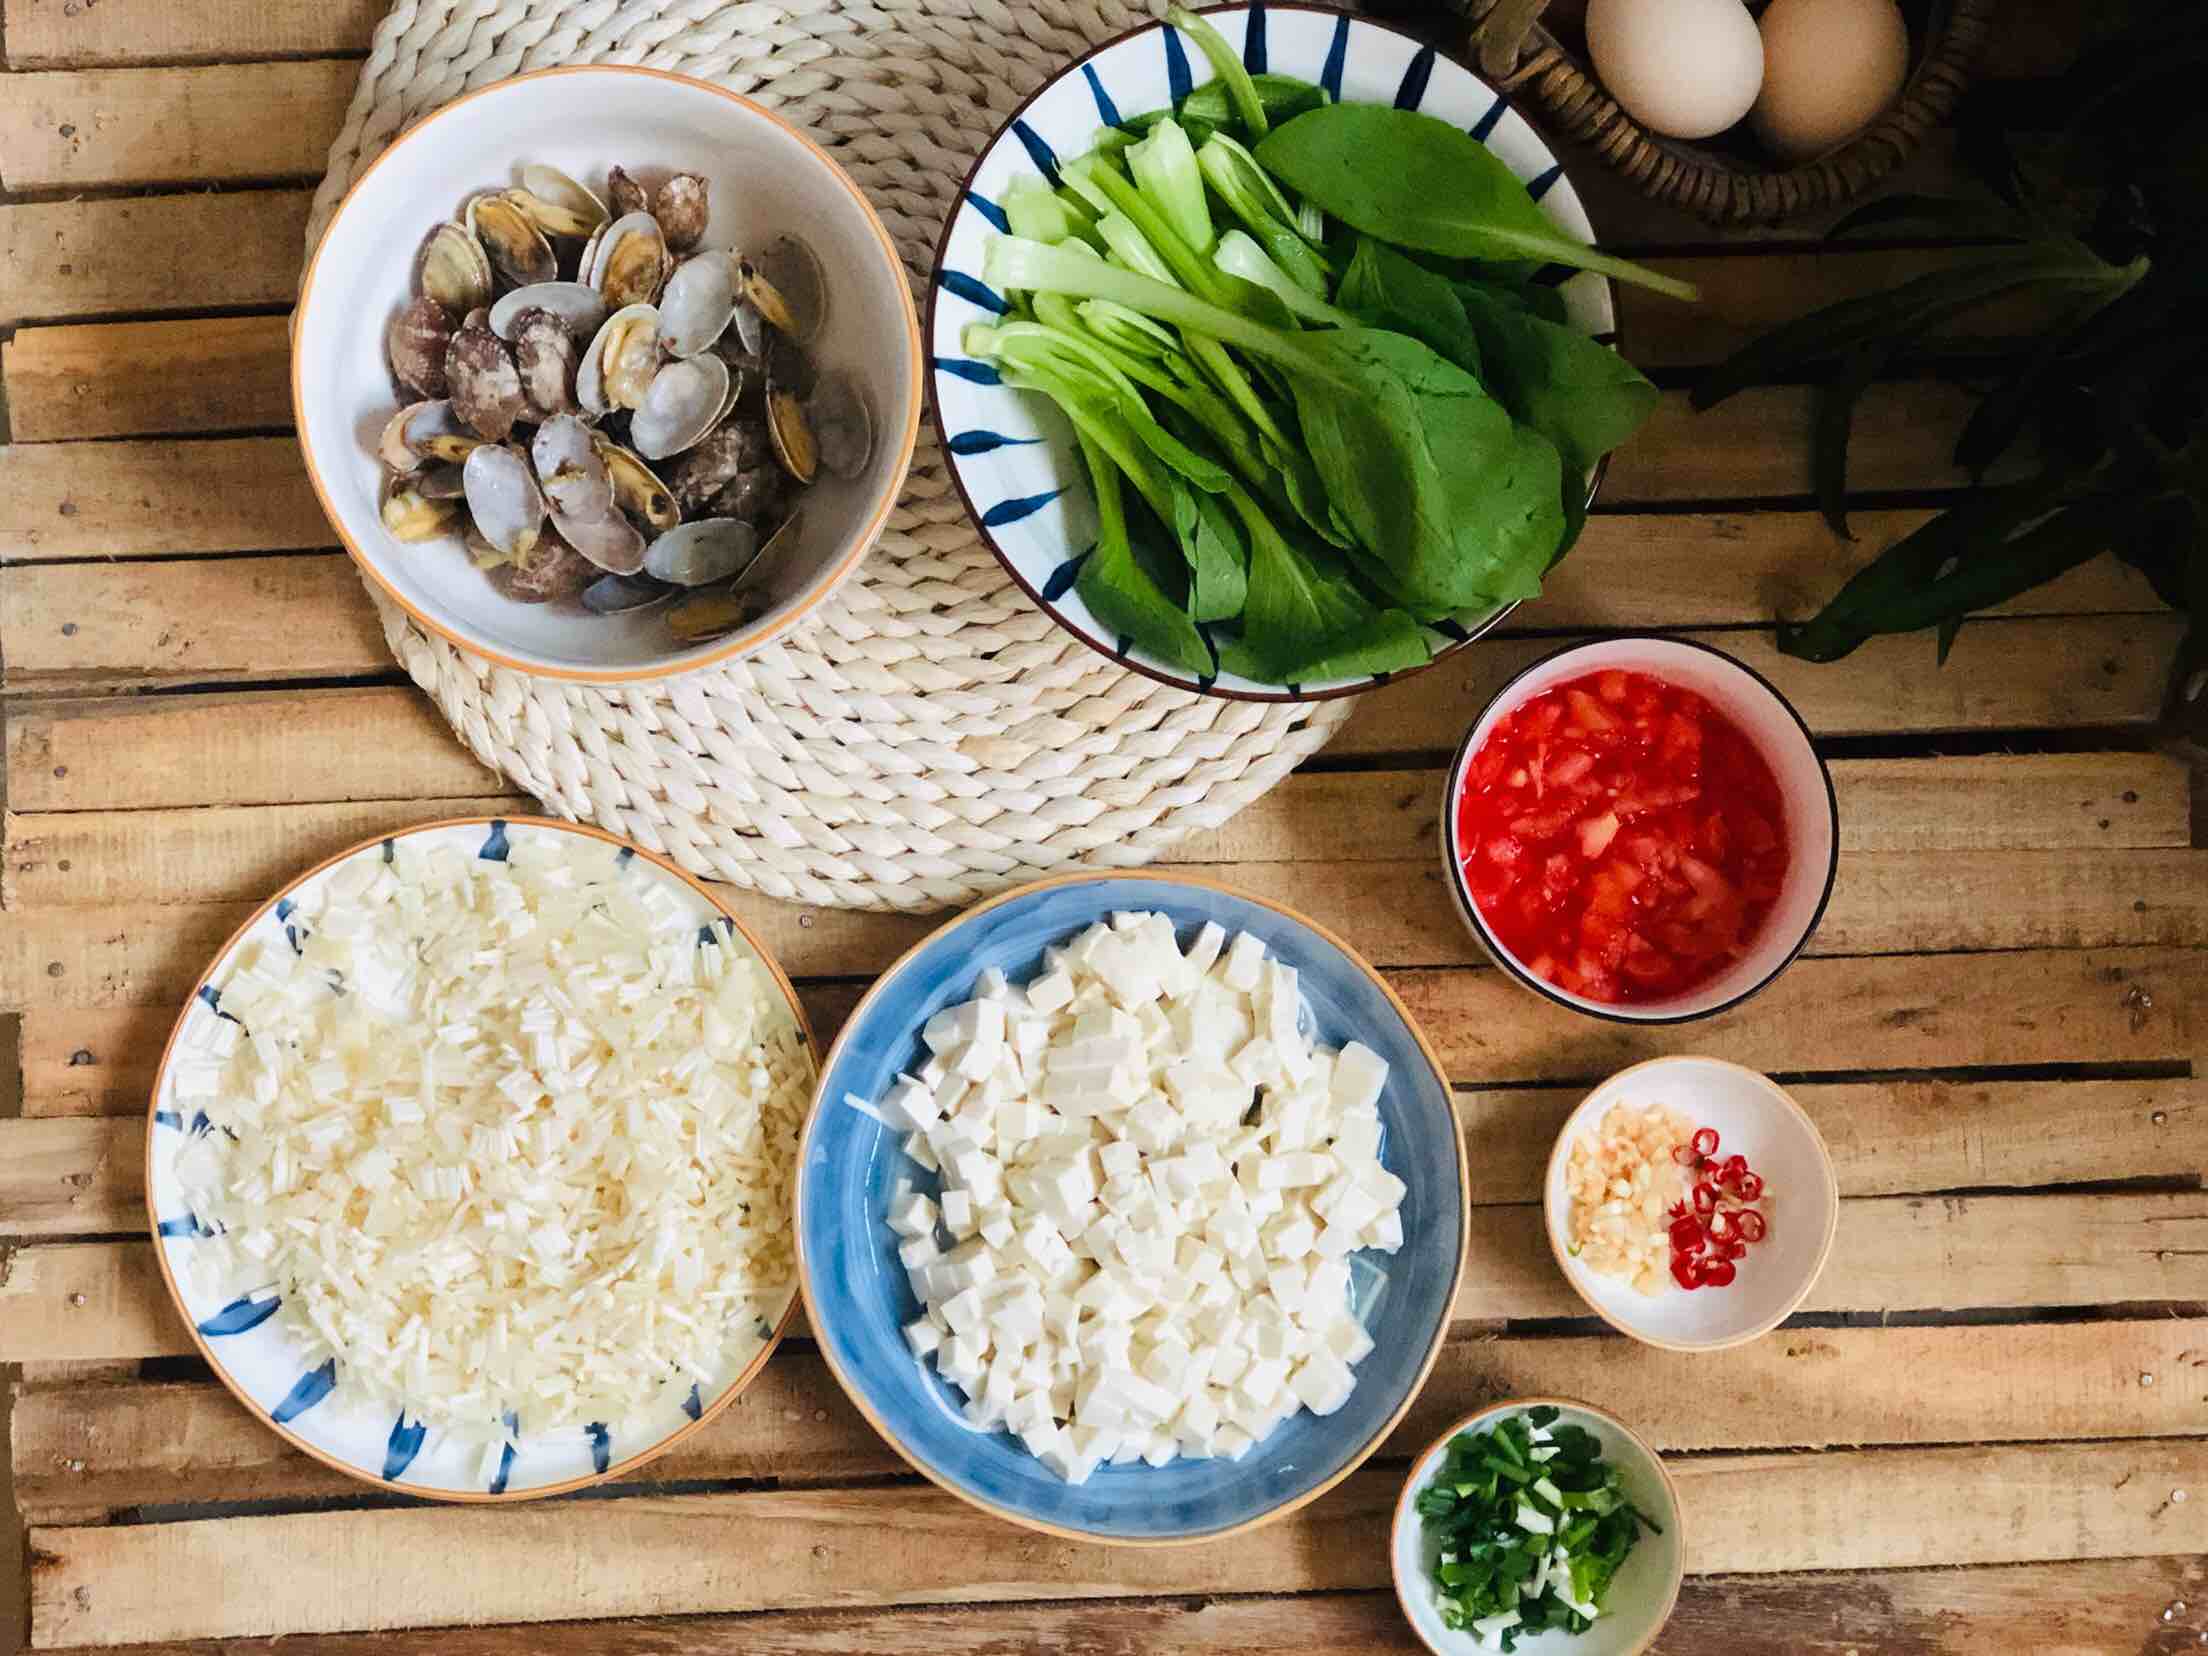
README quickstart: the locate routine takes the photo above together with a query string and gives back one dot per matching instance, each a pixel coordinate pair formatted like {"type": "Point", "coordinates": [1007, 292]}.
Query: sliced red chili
{"type": "Point", "coordinates": [1705, 1141]}
{"type": "Point", "coordinates": [1721, 1226]}
{"type": "Point", "coordinates": [1752, 1226]}
{"type": "Point", "coordinates": [1735, 1168]}
{"type": "Point", "coordinates": [1685, 1272]}
{"type": "Point", "coordinates": [1718, 1273]}
{"type": "Point", "coordinates": [1733, 1250]}
{"type": "Point", "coordinates": [1685, 1156]}
{"type": "Point", "coordinates": [1705, 1198]}
{"type": "Point", "coordinates": [1687, 1235]}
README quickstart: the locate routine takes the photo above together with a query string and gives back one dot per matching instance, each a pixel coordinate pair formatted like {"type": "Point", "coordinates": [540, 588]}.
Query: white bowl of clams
{"type": "Point", "coordinates": [605, 373]}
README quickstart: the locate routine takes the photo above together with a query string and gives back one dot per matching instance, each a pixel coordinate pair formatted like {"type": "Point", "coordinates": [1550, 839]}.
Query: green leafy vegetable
{"type": "Point", "coordinates": [1302, 622]}
{"type": "Point", "coordinates": [1282, 97]}
{"type": "Point", "coordinates": [1389, 291]}
{"type": "Point", "coordinates": [1165, 168]}
{"type": "Point", "coordinates": [1421, 183]}
{"type": "Point", "coordinates": [1125, 591]}
{"type": "Point", "coordinates": [1217, 573]}
{"type": "Point", "coordinates": [1226, 64]}
{"type": "Point", "coordinates": [1582, 396]}
{"type": "Point", "coordinates": [1526, 1526]}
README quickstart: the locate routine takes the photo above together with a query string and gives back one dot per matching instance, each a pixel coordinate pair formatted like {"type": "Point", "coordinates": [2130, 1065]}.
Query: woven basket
{"type": "Point", "coordinates": [1515, 52]}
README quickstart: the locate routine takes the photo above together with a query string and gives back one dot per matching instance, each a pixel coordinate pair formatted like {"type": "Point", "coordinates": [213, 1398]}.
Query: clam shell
{"type": "Point", "coordinates": [843, 424]}
{"type": "Point", "coordinates": [792, 430]}
{"type": "Point", "coordinates": [580, 307]}
{"type": "Point", "coordinates": [681, 208]}
{"type": "Point", "coordinates": [588, 256]}
{"type": "Point", "coordinates": [591, 389]}
{"type": "Point", "coordinates": [637, 489]}
{"type": "Point", "coordinates": [544, 355]}
{"type": "Point", "coordinates": [575, 203]}
{"type": "Point", "coordinates": [726, 452]}
{"type": "Point", "coordinates": [409, 515]}
{"type": "Point", "coordinates": [787, 275]}
{"type": "Point", "coordinates": [484, 383]}
{"type": "Point", "coordinates": [570, 468]}
{"type": "Point", "coordinates": [698, 554]}
{"type": "Point", "coordinates": [517, 247]}
{"type": "Point", "coordinates": [697, 303]}
{"type": "Point", "coordinates": [453, 270]}
{"type": "Point", "coordinates": [554, 572]}
{"type": "Point", "coordinates": [503, 498]}
{"type": "Point", "coordinates": [625, 193]}
{"type": "Point", "coordinates": [393, 449]}
{"type": "Point", "coordinates": [618, 594]}
{"type": "Point", "coordinates": [684, 402]}
{"type": "Point", "coordinates": [750, 328]}
{"type": "Point", "coordinates": [415, 344]}
{"type": "Point", "coordinates": [441, 482]}
{"type": "Point", "coordinates": [612, 542]}
{"type": "Point", "coordinates": [704, 615]}
{"type": "Point", "coordinates": [755, 494]}
{"type": "Point", "coordinates": [631, 261]}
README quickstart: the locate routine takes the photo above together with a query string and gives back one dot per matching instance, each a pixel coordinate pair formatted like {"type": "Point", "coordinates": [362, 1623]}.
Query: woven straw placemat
{"type": "Point", "coordinates": [928, 736]}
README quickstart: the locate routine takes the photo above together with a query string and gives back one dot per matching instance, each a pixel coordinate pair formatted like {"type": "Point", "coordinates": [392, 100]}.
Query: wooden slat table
{"type": "Point", "coordinates": [1987, 1433]}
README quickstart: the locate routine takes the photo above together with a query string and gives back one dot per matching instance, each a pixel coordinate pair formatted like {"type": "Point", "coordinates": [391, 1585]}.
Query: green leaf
{"type": "Point", "coordinates": [1302, 623]}
{"type": "Point", "coordinates": [1164, 165]}
{"type": "Point", "coordinates": [1418, 182]}
{"type": "Point", "coordinates": [1226, 63]}
{"type": "Point", "coordinates": [1581, 395]}
{"type": "Point", "coordinates": [1943, 213]}
{"type": "Point", "coordinates": [1283, 98]}
{"type": "Point", "coordinates": [1123, 590]}
{"type": "Point", "coordinates": [1834, 423]}
{"type": "Point", "coordinates": [1388, 290]}
{"type": "Point", "coordinates": [1253, 198]}
{"type": "Point", "coordinates": [1211, 541]}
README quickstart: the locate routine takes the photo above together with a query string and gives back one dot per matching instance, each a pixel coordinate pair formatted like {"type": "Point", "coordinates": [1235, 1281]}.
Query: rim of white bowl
{"type": "Point", "coordinates": [462, 1497]}
{"type": "Point", "coordinates": [1049, 610]}
{"type": "Point", "coordinates": [1605, 1087]}
{"type": "Point", "coordinates": [1469, 911]}
{"type": "Point", "coordinates": [736, 644]}
{"type": "Point", "coordinates": [1363, 1451]}
{"type": "Point", "coordinates": [1412, 1482]}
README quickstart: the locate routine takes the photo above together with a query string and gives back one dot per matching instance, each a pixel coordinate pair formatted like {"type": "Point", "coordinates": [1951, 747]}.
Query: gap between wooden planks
{"type": "Point", "coordinates": [1746, 1513]}
{"type": "Point", "coordinates": [88, 1452]}
{"type": "Point", "coordinates": [2066, 1609]}
{"type": "Point", "coordinates": [124, 624]}
{"type": "Point", "coordinates": [65, 1172]}
{"type": "Point", "coordinates": [1894, 1253]}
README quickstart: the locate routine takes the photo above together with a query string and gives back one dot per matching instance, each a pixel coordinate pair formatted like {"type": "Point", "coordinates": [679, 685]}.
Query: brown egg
{"type": "Point", "coordinates": [1830, 68]}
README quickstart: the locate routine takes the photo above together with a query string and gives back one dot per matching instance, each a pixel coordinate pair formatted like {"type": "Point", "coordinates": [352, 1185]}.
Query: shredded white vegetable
{"type": "Point", "coordinates": [512, 1139]}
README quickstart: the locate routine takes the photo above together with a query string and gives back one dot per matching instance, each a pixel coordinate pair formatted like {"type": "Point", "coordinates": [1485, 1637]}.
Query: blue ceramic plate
{"type": "Point", "coordinates": [1011, 454]}
{"type": "Point", "coordinates": [247, 1343]}
{"type": "Point", "coordinates": [858, 1299]}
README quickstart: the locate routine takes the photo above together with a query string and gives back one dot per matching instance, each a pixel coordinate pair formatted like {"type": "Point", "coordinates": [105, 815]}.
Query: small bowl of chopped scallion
{"type": "Point", "coordinates": [1538, 1526]}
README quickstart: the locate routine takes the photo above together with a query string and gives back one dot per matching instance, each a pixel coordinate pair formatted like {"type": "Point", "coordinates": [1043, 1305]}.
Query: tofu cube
{"type": "Point", "coordinates": [1051, 992]}
{"type": "Point", "coordinates": [1348, 1340]}
{"type": "Point", "coordinates": [908, 1106]}
{"type": "Point", "coordinates": [1204, 947]}
{"type": "Point", "coordinates": [1228, 1362]}
{"type": "Point", "coordinates": [1244, 963]}
{"type": "Point", "coordinates": [1322, 1383]}
{"type": "Point", "coordinates": [912, 1215]}
{"type": "Point", "coordinates": [1360, 1076]}
{"type": "Point", "coordinates": [1154, 1125]}
{"type": "Point", "coordinates": [969, 1265]}
{"type": "Point", "coordinates": [1386, 1232]}
{"type": "Point", "coordinates": [1293, 1237]}
{"type": "Point", "coordinates": [1356, 1137]}
{"type": "Point", "coordinates": [918, 1252]}
{"type": "Point", "coordinates": [1160, 1449]}
{"type": "Point", "coordinates": [1233, 1442]}
{"type": "Point", "coordinates": [964, 1312]}
{"type": "Point", "coordinates": [958, 1213]}
{"type": "Point", "coordinates": [1260, 1383]}
{"type": "Point", "coordinates": [1120, 1159]}
{"type": "Point", "coordinates": [924, 1337]}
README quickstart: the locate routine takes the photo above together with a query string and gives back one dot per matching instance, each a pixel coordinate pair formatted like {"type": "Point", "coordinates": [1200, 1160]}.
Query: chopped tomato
{"type": "Point", "coordinates": [1623, 836]}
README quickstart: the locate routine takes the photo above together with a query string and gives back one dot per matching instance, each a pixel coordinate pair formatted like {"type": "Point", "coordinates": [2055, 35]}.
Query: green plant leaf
{"type": "Point", "coordinates": [1834, 422]}
{"type": "Point", "coordinates": [1584, 397]}
{"type": "Point", "coordinates": [1950, 215]}
{"type": "Point", "coordinates": [1125, 591]}
{"type": "Point", "coordinates": [1282, 97]}
{"type": "Point", "coordinates": [1211, 541]}
{"type": "Point", "coordinates": [1226, 64]}
{"type": "Point", "coordinates": [1418, 182]}
{"type": "Point", "coordinates": [1303, 623]}
{"type": "Point", "coordinates": [1387, 290]}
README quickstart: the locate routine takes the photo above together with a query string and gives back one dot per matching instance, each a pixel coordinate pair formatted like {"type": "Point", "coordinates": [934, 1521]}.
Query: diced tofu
{"type": "Point", "coordinates": [1233, 1442]}
{"type": "Point", "coordinates": [917, 1252]}
{"type": "Point", "coordinates": [1356, 1137]}
{"type": "Point", "coordinates": [1386, 1232]}
{"type": "Point", "coordinates": [908, 1106]}
{"type": "Point", "coordinates": [1360, 1076]}
{"type": "Point", "coordinates": [970, 1265]}
{"type": "Point", "coordinates": [1260, 1383]}
{"type": "Point", "coordinates": [1050, 992]}
{"type": "Point", "coordinates": [1244, 962]}
{"type": "Point", "coordinates": [958, 1213]}
{"type": "Point", "coordinates": [1154, 1125]}
{"type": "Point", "coordinates": [1120, 1160]}
{"type": "Point", "coordinates": [913, 1215]}
{"type": "Point", "coordinates": [1348, 1340]}
{"type": "Point", "coordinates": [997, 1229]}
{"type": "Point", "coordinates": [1322, 1383]}
{"type": "Point", "coordinates": [924, 1337]}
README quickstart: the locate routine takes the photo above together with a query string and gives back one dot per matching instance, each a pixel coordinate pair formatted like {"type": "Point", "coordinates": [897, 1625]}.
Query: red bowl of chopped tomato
{"type": "Point", "coordinates": [1641, 829]}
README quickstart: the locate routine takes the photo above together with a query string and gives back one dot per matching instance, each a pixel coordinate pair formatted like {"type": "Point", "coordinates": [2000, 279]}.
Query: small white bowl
{"type": "Point", "coordinates": [1769, 721]}
{"type": "Point", "coordinates": [1755, 1118]}
{"type": "Point", "coordinates": [1641, 1595]}
{"type": "Point", "coordinates": [764, 177]}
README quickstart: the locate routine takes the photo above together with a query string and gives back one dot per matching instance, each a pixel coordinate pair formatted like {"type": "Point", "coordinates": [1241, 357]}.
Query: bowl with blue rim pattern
{"type": "Point", "coordinates": [1013, 457]}
{"type": "Point", "coordinates": [858, 1298]}
{"type": "Point", "coordinates": [246, 1342]}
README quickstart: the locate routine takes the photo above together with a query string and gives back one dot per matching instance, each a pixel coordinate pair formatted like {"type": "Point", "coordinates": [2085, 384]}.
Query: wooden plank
{"type": "Point", "coordinates": [1755, 1514]}
{"type": "Point", "coordinates": [228, 122]}
{"type": "Point", "coordinates": [2065, 1609]}
{"type": "Point", "coordinates": [2028, 674]}
{"type": "Point", "coordinates": [1856, 1014]}
{"type": "Point", "coordinates": [145, 379]}
{"type": "Point", "coordinates": [86, 1452]}
{"type": "Point", "coordinates": [244, 749]}
{"type": "Point", "coordinates": [1894, 1254]}
{"type": "Point", "coordinates": [156, 499]}
{"type": "Point", "coordinates": [150, 254]}
{"type": "Point", "coordinates": [83, 1061]}
{"type": "Point", "coordinates": [46, 33]}
{"type": "Point", "coordinates": [72, 1178]}
{"type": "Point", "coordinates": [203, 621]}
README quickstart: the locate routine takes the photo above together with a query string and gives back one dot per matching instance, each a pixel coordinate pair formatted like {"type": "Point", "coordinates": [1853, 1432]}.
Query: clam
{"type": "Point", "coordinates": [755, 494]}
{"type": "Point", "coordinates": [695, 307]}
{"type": "Point", "coordinates": [577, 305]}
{"type": "Point", "coordinates": [517, 247]}
{"type": "Point", "coordinates": [454, 271]}
{"type": "Point", "coordinates": [588, 256]}
{"type": "Point", "coordinates": [795, 444]}
{"type": "Point", "coordinates": [704, 615]}
{"type": "Point", "coordinates": [618, 594]}
{"type": "Point", "coordinates": [750, 328]}
{"type": "Point", "coordinates": [415, 343]}
{"type": "Point", "coordinates": [637, 489]}
{"type": "Point", "coordinates": [503, 498]}
{"type": "Point", "coordinates": [631, 261]}
{"type": "Point", "coordinates": [443, 482]}
{"type": "Point", "coordinates": [843, 424]}
{"type": "Point", "coordinates": [484, 383]}
{"type": "Point", "coordinates": [551, 573]}
{"type": "Point", "coordinates": [725, 453]}
{"type": "Point", "coordinates": [544, 355]}
{"type": "Point", "coordinates": [701, 553]}
{"type": "Point", "coordinates": [683, 402]}
{"type": "Point", "coordinates": [558, 204]}
{"type": "Point", "coordinates": [786, 283]}
{"type": "Point", "coordinates": [411, 516]}
{"type": "Point", "coordinates": [394, 448]}
{"type": "Point", "coordinates": [570, 468]}
{"type": "Point", "coordinates": [681, 209]}
{"type": "Point", "coordinates": [626, 194]}
{"type": "Point", "coordinates": [620, 360]}
{"type": "Point", "coordinates": [611, 542]}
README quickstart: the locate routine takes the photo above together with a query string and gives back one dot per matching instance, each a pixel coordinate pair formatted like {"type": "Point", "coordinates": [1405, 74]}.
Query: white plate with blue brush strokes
{"type": "Point", "coordinates": [245, 1340]}
{"type": "Point", "coordinates": [1012, 455]}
